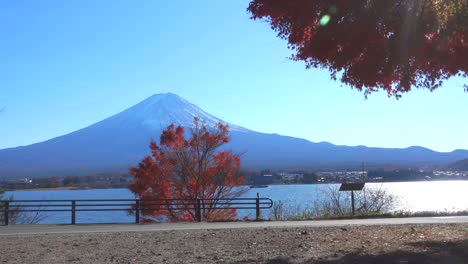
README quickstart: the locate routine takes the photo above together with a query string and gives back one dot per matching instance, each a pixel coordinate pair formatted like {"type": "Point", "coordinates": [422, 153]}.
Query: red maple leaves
{"type": "Point", "coordinates": [372, 45]}
{"type": "Point", "coordinates": [182, 170]}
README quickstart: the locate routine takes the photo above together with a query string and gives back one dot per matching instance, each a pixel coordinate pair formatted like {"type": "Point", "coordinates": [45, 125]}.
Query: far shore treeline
{"type": "Point", "coordinates": [252, 177]}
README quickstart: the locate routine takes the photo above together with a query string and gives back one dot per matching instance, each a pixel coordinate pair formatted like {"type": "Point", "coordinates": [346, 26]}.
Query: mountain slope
{"type": "Point", "coordinates": [122, 140]}
{"type": "Point", "coordinates": [461, 165]}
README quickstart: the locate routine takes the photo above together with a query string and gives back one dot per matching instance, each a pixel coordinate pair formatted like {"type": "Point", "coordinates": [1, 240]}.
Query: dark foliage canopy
{"type": "Point", "coordinates": [393, 45]}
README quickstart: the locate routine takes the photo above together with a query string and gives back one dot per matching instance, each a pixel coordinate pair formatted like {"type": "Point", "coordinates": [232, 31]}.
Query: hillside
{"type": "Point", "coordinates": [461, 165]}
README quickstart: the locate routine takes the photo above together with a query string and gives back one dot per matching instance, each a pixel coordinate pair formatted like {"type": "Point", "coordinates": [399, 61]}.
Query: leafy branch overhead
{"type": "Point", "coordinates": [375, 45]}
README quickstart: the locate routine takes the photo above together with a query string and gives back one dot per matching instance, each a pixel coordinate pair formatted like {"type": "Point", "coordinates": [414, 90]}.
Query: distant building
{"type": "Point", "coordinates": [289, 177]}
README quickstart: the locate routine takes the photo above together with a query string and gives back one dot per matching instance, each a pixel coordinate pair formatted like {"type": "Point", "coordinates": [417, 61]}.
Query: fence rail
{"type": "Point", "coordinates": [137, 206]}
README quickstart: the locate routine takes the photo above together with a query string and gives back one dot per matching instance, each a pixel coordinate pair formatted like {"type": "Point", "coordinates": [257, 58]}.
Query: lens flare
{"type": "Point", "coordinates": [324, 20]}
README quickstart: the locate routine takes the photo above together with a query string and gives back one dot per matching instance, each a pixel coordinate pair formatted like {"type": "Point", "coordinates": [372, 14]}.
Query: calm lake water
{"type": "Point", "coordinates": [412, 196]}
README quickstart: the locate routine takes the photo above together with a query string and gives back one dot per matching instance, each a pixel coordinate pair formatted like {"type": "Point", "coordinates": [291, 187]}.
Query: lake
{"type": "Point", "coordinates": [412, 196]}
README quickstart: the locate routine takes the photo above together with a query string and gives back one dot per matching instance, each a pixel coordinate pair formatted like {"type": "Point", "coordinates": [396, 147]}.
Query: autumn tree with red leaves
{"type": "Point", "coordinates": [371, 45]}
{"type": "Point", "coordinates": [188, 169]}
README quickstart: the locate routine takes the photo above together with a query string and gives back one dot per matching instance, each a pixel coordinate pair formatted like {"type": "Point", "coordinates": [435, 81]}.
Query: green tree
{"type": "Point", "coordinates": [310, 178]}
{"type": "Point", "coordinates": [2, 217]}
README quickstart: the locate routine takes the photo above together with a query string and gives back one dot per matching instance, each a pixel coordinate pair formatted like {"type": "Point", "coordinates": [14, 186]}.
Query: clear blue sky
{"type": "Point", "coordinates": [65, 65]}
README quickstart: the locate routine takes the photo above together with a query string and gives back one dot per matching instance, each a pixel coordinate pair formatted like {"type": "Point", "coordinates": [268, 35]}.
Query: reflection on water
{"type": "Point", "coordinates": [413, 196]}
{"type": "Point", "coordinates": [431, 196]}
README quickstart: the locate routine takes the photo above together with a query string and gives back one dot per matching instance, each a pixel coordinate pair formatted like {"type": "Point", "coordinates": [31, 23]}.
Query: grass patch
{"type": "Point", "coordinates": [400, 214]}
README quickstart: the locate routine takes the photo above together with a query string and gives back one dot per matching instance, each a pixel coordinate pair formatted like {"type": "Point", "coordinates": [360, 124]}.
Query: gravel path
{"type": "Point", "coordinates": [428, 243]}
{"type": "Point", "coordinates": [110, 228]}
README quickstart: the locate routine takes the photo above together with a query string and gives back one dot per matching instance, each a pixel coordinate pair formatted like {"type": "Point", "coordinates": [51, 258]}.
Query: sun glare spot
{"type": "Point", "coordinates": [324, 20]}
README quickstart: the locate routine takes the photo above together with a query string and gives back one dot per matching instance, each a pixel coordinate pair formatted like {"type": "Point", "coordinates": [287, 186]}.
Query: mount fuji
{"type": "Point", "coordinates": [120, 141]}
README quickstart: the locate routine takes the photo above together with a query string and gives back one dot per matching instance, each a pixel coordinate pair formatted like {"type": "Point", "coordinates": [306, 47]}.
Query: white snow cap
{"type": "Point", "coordinates": [160, 110]}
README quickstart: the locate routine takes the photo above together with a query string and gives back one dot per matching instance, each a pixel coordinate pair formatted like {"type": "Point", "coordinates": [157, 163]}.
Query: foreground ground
{"type": "Point", "coordinates": [413, 243]}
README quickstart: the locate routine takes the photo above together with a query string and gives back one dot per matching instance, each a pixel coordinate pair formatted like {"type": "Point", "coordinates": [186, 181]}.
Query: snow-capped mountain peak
{"type": "Point", "coordinates": [161, 110]}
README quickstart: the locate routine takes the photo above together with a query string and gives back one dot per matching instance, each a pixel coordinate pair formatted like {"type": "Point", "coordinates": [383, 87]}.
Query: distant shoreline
{"type": "Point", "coordinates": [71, 188]}
{"type": "Point", "coordinates": [54, 189]}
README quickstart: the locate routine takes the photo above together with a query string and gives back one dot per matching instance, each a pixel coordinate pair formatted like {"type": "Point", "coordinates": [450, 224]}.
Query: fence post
{"type": "Point", "coordinates": [137, 211]}
{"type": "Point", "coordinates": [73, 212]}
{"type": "Point", "coordinates": [198, 210]}
{"type": "Point", "coordinates": [6, 211]}
{"type": "Point", "coordinates": [352, 201]}
{"type": "Point", "coordinates": [257, 207]}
